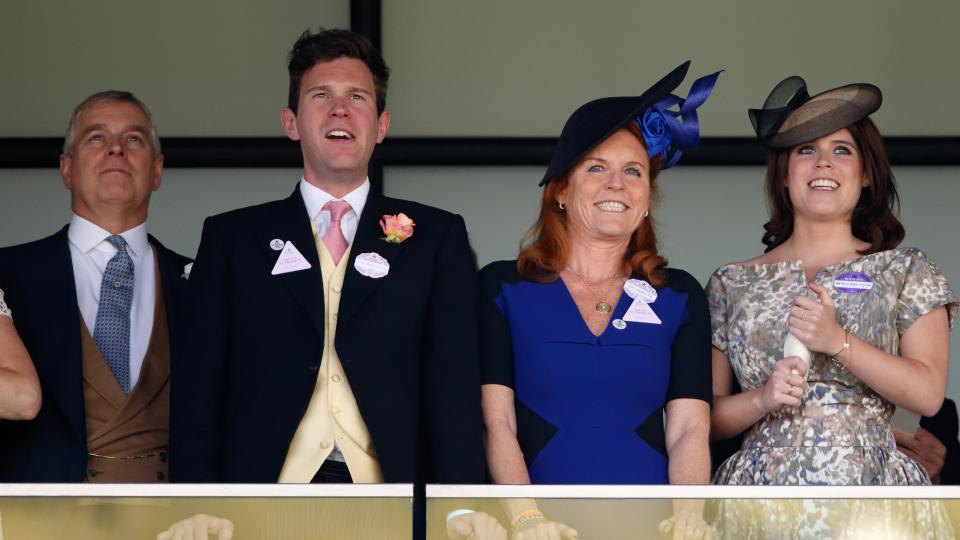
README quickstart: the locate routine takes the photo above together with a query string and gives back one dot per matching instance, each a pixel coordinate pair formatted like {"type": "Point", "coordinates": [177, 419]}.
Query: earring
{"type": "Point", "coordinates": [646, 213]}
{"type": "Point", "coordinates": [562, 207]}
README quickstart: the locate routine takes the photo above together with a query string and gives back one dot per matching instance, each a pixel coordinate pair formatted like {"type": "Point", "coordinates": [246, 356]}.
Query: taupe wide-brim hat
{"type": "Point", "coordinates": [790, 116]}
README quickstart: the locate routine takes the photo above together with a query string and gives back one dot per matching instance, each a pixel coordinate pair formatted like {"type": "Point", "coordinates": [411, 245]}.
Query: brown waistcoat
{"type": "Point", "coordinates": [127, 435]}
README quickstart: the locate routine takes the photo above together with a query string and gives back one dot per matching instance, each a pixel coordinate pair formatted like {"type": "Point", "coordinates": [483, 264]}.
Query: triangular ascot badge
{"type": "Point", "coordinates": [290, 260]}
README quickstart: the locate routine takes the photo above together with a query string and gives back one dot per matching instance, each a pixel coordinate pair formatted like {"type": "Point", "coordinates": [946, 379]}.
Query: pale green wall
{"type": "Point", "coordinates": [497, 67]}
{"type": "Point", "coordinates": [204, 67]}
{"type": "Point", "coordinates": [520, 67]}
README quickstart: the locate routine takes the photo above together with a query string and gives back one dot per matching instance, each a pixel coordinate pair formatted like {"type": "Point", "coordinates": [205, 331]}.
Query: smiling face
{"type": "Point", "coordinates": [825, 177]}
{"type": "Point", "coordinates": [336, 123]}
{"type": "Point", "coordinates": [608, 192]}
{"type": "Point", "coordinates": [112, 167]}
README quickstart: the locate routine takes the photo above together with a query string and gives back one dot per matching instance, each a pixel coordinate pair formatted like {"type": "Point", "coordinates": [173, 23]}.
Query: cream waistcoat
{"type": "Point", "coordinates": [332, 416]}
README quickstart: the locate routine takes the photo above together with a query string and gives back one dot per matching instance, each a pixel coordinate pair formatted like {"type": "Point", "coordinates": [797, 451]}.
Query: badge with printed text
{"type": "Point", "coordinates": [371, 265]}
{"type": "Point", "coordinates": [853, 283]}
{"type": "Point", "coordinates": [290, 260]}
{"type": "Point", "coordinates": [276, 244]}
{"type": "Point", "coordinates": [641, 312]}
{"type": "Point", "coordinates": [639, 289]}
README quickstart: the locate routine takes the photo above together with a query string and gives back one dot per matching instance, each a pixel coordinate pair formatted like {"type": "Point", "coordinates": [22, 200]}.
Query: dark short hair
{"type": "Point", "coordinates": [100, 97]}
{"type": "Point", "coordinates": [875, 215]}
{"type": "Point", "coordinates": [328, 45]}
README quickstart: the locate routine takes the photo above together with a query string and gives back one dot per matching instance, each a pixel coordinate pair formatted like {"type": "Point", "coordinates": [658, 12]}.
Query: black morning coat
{"type": "Point", "coordinates": [407, 342]}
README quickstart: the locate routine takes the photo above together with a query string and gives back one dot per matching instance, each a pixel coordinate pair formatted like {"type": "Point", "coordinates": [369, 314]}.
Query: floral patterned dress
{"type": "Point", "coordinates": [4, 310]}
{"type": "Point", "coordinates": [840, 435]}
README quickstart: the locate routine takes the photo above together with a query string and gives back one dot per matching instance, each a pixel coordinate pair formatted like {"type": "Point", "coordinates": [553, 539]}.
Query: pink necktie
{"type": "Point", "coordinates": [333, 239]}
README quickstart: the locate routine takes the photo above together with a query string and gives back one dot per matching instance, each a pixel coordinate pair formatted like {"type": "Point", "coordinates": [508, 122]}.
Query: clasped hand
{"type": "Point", "coordinates": [814, 322]}
{"type": "Point", "coordinates": [785, 386]}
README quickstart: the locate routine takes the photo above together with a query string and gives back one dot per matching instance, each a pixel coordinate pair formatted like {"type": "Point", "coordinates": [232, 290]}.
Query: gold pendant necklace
{"type": "Point", "coordinates": [602, 305]}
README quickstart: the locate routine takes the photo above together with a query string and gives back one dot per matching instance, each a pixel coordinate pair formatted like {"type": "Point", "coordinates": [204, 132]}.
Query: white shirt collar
{"type": "Point", "coordinates": [314, 198]}
{"type": "Point", "coordinates": [86, 235]}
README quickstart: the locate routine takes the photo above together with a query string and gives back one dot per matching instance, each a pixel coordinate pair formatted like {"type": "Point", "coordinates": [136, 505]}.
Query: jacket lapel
{"type": "Point", "coordinates": [291, 224]}
{"type": "Point", "coordinates": [173, 285]}
{"type": "Point", "coordinates": [57, 354]}
{"type": "Point", "coordinates": [369, 239]}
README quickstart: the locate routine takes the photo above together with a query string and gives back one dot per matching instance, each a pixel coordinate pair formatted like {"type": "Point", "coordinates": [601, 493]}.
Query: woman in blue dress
{"type": "Point", "coordinates": [588, 340]}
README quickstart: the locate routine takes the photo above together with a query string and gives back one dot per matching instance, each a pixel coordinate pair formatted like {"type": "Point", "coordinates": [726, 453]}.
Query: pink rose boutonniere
{"type": "Point", "coordinates": [398, 227]}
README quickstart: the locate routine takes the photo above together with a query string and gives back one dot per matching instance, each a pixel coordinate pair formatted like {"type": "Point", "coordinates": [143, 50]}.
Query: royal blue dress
{"type": "Point", "coordinates": [590, 409]}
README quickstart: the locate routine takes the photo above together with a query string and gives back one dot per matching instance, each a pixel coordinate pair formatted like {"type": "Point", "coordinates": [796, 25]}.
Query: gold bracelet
{"type": "Point", "coordinates": [844, 347]}
{"type": "Point", "coordinates": [527, 516]}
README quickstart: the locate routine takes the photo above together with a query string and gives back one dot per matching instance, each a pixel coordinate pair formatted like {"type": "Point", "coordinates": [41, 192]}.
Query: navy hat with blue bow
{"type": "Point", "coordinates": [664, 130]}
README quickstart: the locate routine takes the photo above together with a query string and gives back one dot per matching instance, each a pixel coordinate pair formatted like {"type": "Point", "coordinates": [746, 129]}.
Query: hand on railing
{"type": "Point", "coordinates": [544, 530]}
{"type": "Point", "coordinates": [686, 525]}
{"type": "Point", "coordinates": [475, 526]}
{"type": "Point", "coordinates": [197, 527]}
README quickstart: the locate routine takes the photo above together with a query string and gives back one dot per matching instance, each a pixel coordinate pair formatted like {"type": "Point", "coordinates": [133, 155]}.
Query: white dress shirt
{"type": "Point", "coordinates": [90, 252]}
{"type": "Point", "coordinates": [314, 198]}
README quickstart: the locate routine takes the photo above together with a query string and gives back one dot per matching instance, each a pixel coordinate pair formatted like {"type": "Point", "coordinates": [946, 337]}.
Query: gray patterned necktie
{"type": "Point", "coordinates": [112, 329]}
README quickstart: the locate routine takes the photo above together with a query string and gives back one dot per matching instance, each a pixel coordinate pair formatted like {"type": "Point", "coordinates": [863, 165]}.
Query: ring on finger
{"type": "Point", "coordinates": [802, 313]}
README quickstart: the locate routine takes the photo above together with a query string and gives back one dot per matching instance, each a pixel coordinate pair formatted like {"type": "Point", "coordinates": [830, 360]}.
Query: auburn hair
{"type": "Point", "coordinates": [546, 246]}
{"type": "Point", "coordinates": [875, 215]}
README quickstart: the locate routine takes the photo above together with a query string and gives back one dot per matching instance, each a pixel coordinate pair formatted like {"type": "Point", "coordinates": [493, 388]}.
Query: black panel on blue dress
{"type": "Point", "coordinates": [652, 432]}
{"type": "Point", "coordinates": [533, 432]}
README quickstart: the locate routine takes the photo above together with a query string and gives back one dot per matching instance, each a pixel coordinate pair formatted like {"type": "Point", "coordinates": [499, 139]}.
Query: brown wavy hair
{"type": "Point", "coordinates": [545, 247]}
{"type": "Point", "coordinates": [875, 215]}
{"type": "Point", "coordinates": [328, 45]}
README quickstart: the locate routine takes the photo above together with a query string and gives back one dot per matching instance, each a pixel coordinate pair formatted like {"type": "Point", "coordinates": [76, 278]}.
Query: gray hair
{"type": "Point", "coordinates": [100, 97]}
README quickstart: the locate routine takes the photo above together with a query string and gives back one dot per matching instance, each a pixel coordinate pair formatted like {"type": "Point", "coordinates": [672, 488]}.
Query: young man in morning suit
{"type": "Point", "coordinates": [335, 341]}
{"type": "Point", "coordinates": [98, 306]}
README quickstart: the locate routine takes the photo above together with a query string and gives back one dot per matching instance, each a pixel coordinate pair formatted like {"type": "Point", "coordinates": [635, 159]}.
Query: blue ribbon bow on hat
{"type": "Point", "coordinates": [663, 128]}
